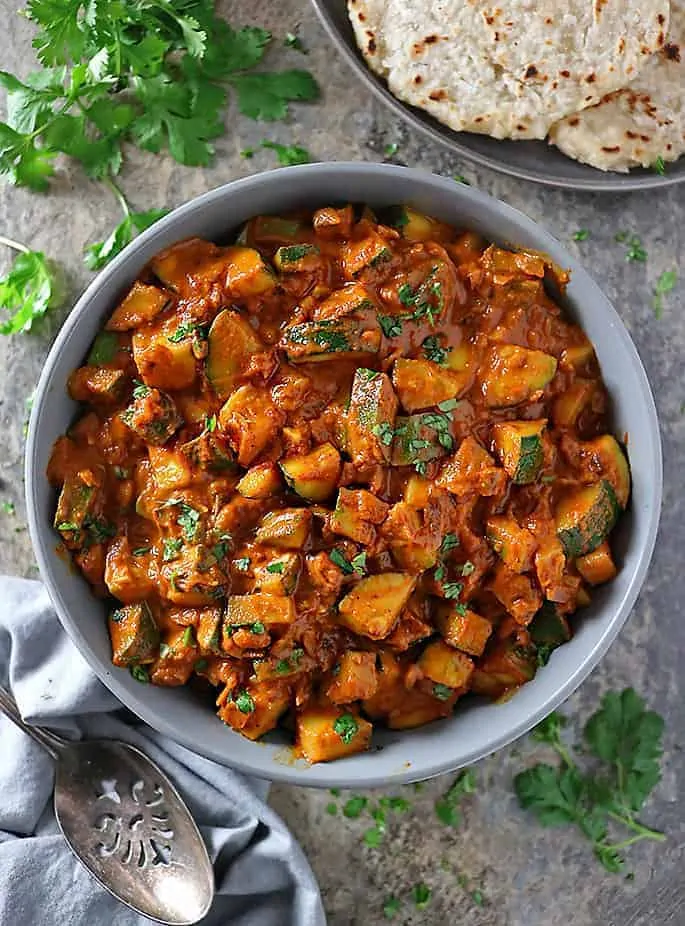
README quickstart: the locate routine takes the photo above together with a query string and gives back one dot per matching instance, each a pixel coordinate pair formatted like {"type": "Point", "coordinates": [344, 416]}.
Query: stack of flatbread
{"type": "Point", "coordinates": [604, 80]}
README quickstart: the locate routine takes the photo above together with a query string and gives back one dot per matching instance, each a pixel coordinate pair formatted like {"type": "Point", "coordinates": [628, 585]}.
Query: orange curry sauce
{"type": "Point", "coordinates": [342, 472]}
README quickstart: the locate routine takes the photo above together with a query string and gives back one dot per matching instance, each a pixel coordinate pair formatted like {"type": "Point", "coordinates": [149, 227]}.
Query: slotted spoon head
{"type": "Point", "coordinates": [127, 824]}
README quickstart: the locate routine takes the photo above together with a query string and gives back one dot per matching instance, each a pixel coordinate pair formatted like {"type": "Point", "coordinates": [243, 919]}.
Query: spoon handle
{"type": "Point", "coordinates": [52, 743]}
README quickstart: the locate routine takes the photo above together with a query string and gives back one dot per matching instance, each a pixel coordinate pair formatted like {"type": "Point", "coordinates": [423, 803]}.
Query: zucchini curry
{"type": "Point", "coordinates": [340, 472]}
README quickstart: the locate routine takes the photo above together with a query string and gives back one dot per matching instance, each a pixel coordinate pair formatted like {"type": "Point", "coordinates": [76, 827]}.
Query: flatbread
{"type": "Point", "coordinates": [634, 126]}
{"type": "Point", "coordinates": [511, 68]}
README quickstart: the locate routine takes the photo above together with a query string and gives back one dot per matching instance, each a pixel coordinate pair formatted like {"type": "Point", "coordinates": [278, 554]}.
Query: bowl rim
{"type": "Point", "coordinates": [314, 776]}
{"type": "Point", "coordinates": [430, 127]}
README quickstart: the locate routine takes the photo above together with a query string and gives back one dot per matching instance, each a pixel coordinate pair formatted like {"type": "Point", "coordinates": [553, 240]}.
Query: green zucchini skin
{"type": "Point", "coordinates": [594, 526]}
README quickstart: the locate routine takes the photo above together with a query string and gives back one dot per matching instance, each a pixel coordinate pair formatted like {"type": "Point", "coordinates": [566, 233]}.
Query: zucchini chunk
{"type": "Point", "coordinates": [293, 258]}
{"type": "Point", "coordinates": [519, 447]}
{"type": "Point", "coordinates": [445, 665]}
{"type": "Point", "coordinates": [231, 343]}
{"type": "Point", "coordinates": [422, 384]}
{"type": "Point", "coordinates": [274, 229]}
{"type": "Point", "coordinates": [260, 481]}
{"type": "Point", "coordinates": [340, 339]}
{"type": "Point", "coordinates": [516, 593]}
{"type": "Point", "coordinates": [371, 418]}
{"type": "Point", "coordinates": [367, 254]}
{"type": "Point", "coordinates": [374, 604]}
{"type": "Point", "coordinates": [355, 512]}
{"type": "Point", "coordinates": [512, 374]}
{"type": "Point", "coordinates": [211, 452]}
{"type": "Point", "coordinates": [247, 274]}
{"type": "Point", "coordinates": [287, 529]}
{"type": "Point", "coordinates": [279, 577]}
{"type": "Point", "coordinates": [514, 545]}
{"type": "Point", "coordinates": [607, 452]}
{"type": "Point", "coordinates": [598, 566]}
{"type": "Point", "coordinates": [161, 362]}
{"type": "Point", "coordinates": [548, 627]}
{"type": "Point", "coordinates": [251, 420]}
{"type": "Point", "coordinates": [256, 709]}
{"type": "Point", "coordinates": [586, 517]}
{"type": "Point", "coordinates": [421, 438]}
{"type": "Point", "coordinates": [472, 471]}
{"type": "Point", "coordinates": [465, 630]}
{"type": "Point", "coordinates": [141, 306]}
{"type": "Point", "coordinates": [325, 733]}
{"type": "Point", "coordinates": [97, 384]}
{"type": "Point", "coordinates": [577, 357]}
{"type": "Point", "coordinates": [76, 503]}
{"type": "Point", "coordinates": [331, 223]}
{"type": "Point", "coordinates": [351, 299]}
{"type": "Point", "coordinates": [414, 544]}
{"type": "Point", "coordinates": [414, 225]}
{"type": "Point", "coordinates": [568, 407]}
{"type": "Point", "coordinates": [208, 631]}
{"type": "Point", "coordinates": [356, 678]}
{"type": "Point", "coordinates": [152, 415]}
{"type": "Point", "coordinates": [260, 608]}
{"type": "Point", "coordinates": [507, 665]}
{"type": "Point", "coordinates": [134, 634]}
{"type": "Point", "coordinates": [313, 475]}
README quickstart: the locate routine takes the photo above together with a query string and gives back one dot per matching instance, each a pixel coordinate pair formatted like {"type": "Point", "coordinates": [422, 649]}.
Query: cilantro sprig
{"type": "Point", "coordinates": [29, 289]}
{"type": "Point", "coordinates": [626, 739]}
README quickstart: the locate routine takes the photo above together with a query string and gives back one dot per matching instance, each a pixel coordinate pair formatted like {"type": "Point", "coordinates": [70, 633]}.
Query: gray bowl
{"type": "Point", "coordinates": [530, 160]}
{"type": "Point", "coordinates": [477, 728]}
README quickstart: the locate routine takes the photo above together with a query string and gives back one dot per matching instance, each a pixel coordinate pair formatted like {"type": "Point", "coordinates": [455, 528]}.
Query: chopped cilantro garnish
{"type": "Point", "coordinates": [8, 508]}
{"type": "Point", "coordinates": [442, 692]}
{"type": "Point", "coordinates": [467, 568]}
{"type": "Point", "coordinates": [275, 567]}
{"type": "Point", "coordinates": [391, 149]}
{"type": "Point", "coordinates": [391, 325]}
{"type": "Point", "coordinates": [581, 235]}
{"type": "Point", "coordinates": [171, 547]}
{"type": "Point", "coordinates": [210, 423]}
{"type": "Point", "coordinates": [353, 807]}
{"type": "Point", "coordinates": [242, 564]}
{"type": "Point", "coordinates": [140, 391]}
{"type": "Point", "coordinates": [421, 894]}
{"type": "Point", "coordinates": [346, 727]}
{"type": "Point", "coordinates": [660, 165]}
{"type": "Point", "coordinates": [182, 332]}
{"type": "Point", "coordinates": [257, 627]}
{"type": "Point", "coordinates": [391, 907]}
{"type": "Point", "coordinates": [449, 542]}
{"type": "Point", "coordinates": [433, 350]}
{"type": "Point", "coordinates": [244, 702]}
{"type": "Point", "coordinates": [452, 589]}
{"type": "Point", "coordinates": [332, 808]}
{"type": "Point", "coordinates": [447, 807]}
{"type": "Point", "coordinates": [188, 637]}
{"type": "Point", "coordinates": [383, 432]}
{"type": "Point", "coordinates": [664, 284]}
{"type": "Point", "coordinates": [140, 674]}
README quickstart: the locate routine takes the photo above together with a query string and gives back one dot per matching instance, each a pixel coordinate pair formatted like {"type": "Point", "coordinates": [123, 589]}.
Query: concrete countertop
{"type": "Point", "coordinates": [528, 876]}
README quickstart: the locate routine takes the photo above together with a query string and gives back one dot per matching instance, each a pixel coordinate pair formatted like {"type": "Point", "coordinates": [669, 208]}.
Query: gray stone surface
{"type": "Point", "coordinates": [528, 876]}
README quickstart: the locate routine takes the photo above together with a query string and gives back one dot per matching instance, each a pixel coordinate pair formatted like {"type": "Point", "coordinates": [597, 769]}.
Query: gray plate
{"type": "Point", "coordinates": [531, 160]}
{"type": "Point", "coordinates": [477, 728]}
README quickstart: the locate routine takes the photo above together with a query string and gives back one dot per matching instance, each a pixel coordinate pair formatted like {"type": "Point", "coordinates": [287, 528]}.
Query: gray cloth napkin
{"type": "Point", "coordinates": [262, 876]}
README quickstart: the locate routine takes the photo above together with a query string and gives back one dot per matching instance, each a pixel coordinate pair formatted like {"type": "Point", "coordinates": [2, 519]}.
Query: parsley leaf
{"type": "Point", "coordinates": [664, 284]}
{"type": "Point", "coordinates": [288, 155]}
{"type": "Point", "coordinates": [28, 290]}
{"type": "Point", "coordinates": [101, 253]}
{"type": "Point", "coordinates": [624, 736]}
{"type": "Point", "coordinates": [433, 350]}
{"type": "Point", "coordinates": [346, 727]}
{"type": "Point", "coordinates": [447, 807]}
{"type": "Point", "coordinates": [266, 96]}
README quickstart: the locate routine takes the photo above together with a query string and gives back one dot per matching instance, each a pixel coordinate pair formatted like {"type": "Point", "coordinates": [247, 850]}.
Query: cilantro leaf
{"type": "Point", "coordinates": [447, 807]}
{"type": "Point", "coordinates": [628, 736]}
{"type": "Point", "coordinates": [552, 794]}
{"type": "Point", "coordinates": [288, 155]}
{"type": "Point", "coordinates": [265, 96]}
{"type": "Point", "coordinates": [21, 162]}
{"type": "Point", "coordinates": [62, 37]}
{"type": "Point", "coordinates": [27, 291]}
{"type": "Point", "coordinates": [101, 253]}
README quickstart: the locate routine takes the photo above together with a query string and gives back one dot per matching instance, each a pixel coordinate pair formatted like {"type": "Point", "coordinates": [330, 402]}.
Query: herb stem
{"type": "Point", "coordinates": [15, 245]}
{"type": "Point", "coordinates": [644, 832]}
{"type": "Point", "coordinates": [118, 195]}
{"type": "Point", "coordinates": [563, 753]}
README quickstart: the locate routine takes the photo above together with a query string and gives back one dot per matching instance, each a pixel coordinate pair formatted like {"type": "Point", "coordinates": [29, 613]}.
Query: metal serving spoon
{"type": "Point", "coordinates": [125, 821]}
